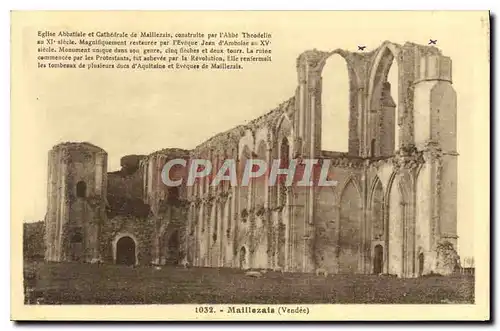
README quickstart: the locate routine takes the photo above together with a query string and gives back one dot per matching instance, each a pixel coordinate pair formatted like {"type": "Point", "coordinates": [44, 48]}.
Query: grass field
{"type": "Point", "coordinates": [72, 283]}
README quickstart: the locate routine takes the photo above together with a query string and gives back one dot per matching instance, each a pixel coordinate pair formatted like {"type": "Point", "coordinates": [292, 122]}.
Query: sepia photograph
{"type": "Point", "coordinates": [250, 165]}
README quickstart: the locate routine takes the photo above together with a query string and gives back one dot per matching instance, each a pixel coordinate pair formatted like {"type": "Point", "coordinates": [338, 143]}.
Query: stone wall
{"type": "Point", "coordinates": [391, 208]}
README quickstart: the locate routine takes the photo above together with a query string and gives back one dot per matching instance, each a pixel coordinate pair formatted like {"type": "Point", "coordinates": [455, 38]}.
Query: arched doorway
{"type": "Point", "coordinates": [172, 248]}
{"type": "Point", "coordinates": [335, 105]}
{"type": "Point", "coordinates": [125, 251]}
{"type": "Point", "coordinates": [81, 189]}
{"type": "Point", "coordinates": [378, 259]}
{"type": "Point", "coordinates": [243, 257]}
{"type": "Point", "coordinates": [421, 264]}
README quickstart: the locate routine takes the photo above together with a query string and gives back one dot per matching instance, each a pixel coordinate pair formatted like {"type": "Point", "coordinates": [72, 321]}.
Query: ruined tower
{"type": "Point", "coordinates": [435, 118]}
{"type": "Point", "coordinates": [76, 194]}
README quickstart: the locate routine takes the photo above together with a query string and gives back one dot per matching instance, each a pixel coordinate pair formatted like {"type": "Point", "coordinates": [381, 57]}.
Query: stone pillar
{"type": "Point", "coordinates": [188, 252]}
{"type": "Point", "coordinates": [435, 135]}
{"type": "Point", "coordinates": [200, 235]}
{"type": "Point", "coordinates": [314, 152]}
{"type": "Point", "coordinates": [236, 218]}
{"type": "Point", "coordinates": [286, 219]}
{"type": "Point", "coordinates": [157, 260]}
{"type": "Point", "coordinates": [385, 141]}
{"type": "Point", "coordinates": [210, 231]}
{"type": "Point", "coordinates": [386, 216]}
{"type": "Point", "coordinates": [404, 233]}
{"type": "Point", "coordinates": [365, 219]}
{"type": "Point", "coordinates": [64, 206]}
{"type": "Point", "coordinates": [337, 234]}
{"type": "Point", "coordinates": [220, 235]}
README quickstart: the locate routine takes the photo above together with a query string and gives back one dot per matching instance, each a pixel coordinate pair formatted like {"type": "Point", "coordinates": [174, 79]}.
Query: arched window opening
{"type": "Point", "coordinates": [243, 201]}
{"type": "Point", "coordinates": [173, 194]}
{"type": "Point", "coordinates": [81, 189]}
{"type": "Point", "coordinates": [335, 105]}
{"type": "Point", "coordinates": [284, 153]}
{"type": "Point", "coordinates": [243, 257]}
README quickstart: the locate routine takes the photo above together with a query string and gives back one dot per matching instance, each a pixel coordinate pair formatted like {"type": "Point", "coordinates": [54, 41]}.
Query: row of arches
{"type": "Point", "coordinates": [381, 237]}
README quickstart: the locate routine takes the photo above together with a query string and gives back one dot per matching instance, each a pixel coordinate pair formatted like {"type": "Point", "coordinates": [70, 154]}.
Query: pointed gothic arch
{"type": "Point", "coordinates": [384, 90]}
{"type": "Point", "coordinates": [350, 228]}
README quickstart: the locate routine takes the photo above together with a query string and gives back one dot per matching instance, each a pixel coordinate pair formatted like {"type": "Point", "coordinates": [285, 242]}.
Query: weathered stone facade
{"type": "Point", "coordinates": [391, 210]}
{"type": "Point", "coordinates": [86, 222]}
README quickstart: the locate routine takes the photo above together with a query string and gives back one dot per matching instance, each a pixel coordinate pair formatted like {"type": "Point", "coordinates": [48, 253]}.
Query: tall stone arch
{"type": "Point", "coordinates": [350, 229]}
{"type": "Point", "coordinates": [335, 94]}
{"type": "Point", "coordinates": [375, 225]}
{"type": "Point", "coordinates": [309, 93]}
{"type": "Point", "coordinates": [384, 115]}
{"type": "Point", "coordinates": [326, 228]}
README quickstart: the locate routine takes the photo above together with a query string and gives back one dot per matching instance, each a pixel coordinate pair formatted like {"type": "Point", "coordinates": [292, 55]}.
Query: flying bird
{"type": "Point", "coordinates": [361, 48]}
{"type": "Point", "coordinates": [432, 42]}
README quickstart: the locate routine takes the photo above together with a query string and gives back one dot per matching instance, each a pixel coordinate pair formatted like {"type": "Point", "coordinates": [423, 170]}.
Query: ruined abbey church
{"type": "Point", "coordinates": [393, 210]}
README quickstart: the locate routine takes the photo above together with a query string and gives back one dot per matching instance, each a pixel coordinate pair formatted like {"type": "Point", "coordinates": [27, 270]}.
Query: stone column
{"type": "Point", "coordinates": [302, 97]}
{"type": "Point", "coordinates": [386, 215]}
{"type": "Point", "coordinates": [314, 151]}
{"type": "Point", "coordinates": [337, 234]}
{"type": "Point", "coordinates": [435, 134]}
